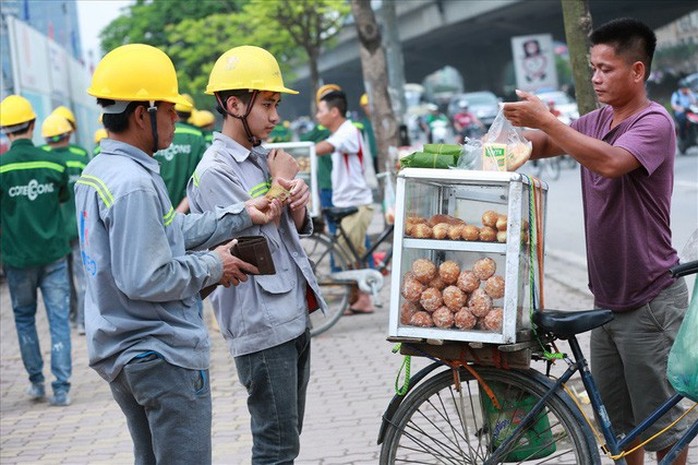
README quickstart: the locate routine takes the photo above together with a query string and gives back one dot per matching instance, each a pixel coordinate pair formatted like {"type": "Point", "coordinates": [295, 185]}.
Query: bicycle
{"type": "Point", "coordinates": [339, 268]}
{"type": "Point", "coordinates": [490, 407]}
{"type": "Point", "coordinates": [547, 167]}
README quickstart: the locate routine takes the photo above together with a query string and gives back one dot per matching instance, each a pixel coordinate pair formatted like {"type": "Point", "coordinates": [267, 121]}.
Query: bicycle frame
{"type": "Point", "coordinates": [612, 444]}
{"type": "Point", "coordinates": [362, 259]}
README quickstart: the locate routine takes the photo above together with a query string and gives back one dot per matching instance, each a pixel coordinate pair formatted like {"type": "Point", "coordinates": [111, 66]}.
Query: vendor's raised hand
{"type": "Point", "coordinates": [282, 164]}
{"type": "Point", "coordinates": [529, 112]}
{"type": "Point", "coordinates": [299, 195]}
{"type": "Point", "coordinates": [263, 210]}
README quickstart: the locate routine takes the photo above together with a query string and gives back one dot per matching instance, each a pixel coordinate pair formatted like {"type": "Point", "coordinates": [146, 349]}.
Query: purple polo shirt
{"type": "Point", "coordinates": [628, 235]}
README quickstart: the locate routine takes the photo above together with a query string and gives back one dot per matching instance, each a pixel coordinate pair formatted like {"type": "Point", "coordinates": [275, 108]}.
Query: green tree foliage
{"type": "Point", "coordinates": [195, 33]}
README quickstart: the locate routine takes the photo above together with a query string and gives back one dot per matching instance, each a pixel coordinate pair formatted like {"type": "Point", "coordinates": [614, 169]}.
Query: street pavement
{"type": "Point", "coordinates": [352, 380]}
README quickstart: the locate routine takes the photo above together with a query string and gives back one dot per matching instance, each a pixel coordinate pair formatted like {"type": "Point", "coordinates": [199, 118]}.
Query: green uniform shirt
{"type": "Point", "coordinates": [76, 158]}
{"type": "Point", "coordinates": [208, 137]}
{"type": "Point", "coordinates": [324, 163]}
{"type": "Point", "coordinates": [178, 161]}
{"type": "Point", "coordinates": [33, 183]}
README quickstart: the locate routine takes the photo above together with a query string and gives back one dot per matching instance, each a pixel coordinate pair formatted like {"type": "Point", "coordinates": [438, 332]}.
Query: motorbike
{"type": "Point", "coordinates": [691, 138]}
{"type": "Point", "coordinates": [439, 131]}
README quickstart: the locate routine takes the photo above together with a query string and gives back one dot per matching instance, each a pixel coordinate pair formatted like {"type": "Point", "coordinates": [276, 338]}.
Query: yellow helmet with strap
{"type": "Point", "coordinates": [55, 125]}
{"type": "Point", "coordinates": [65, 113]}
{"type": "Point", "coordinates": [15, 110]}
{"type": "Point", "coordinates": [247, 67]}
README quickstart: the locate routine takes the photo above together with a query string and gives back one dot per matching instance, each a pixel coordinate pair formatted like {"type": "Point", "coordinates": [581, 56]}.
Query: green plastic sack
{"type": "Point", "coordinates": [440, 156]}
{"type": "Point", "coordinates": [682, 368]}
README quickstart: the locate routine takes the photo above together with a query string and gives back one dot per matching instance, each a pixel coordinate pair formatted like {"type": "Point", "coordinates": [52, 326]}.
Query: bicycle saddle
{"type": "Point", "coordinates": [564, 324]}
{"type": "Point", "coordinates": [337, 213]}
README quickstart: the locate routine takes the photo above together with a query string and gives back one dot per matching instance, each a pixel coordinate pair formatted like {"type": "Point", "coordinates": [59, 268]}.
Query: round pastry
{"type": "Point", "coordinates": [421, 231]}
{"type": "Point", "coordinates": [464, 319]}
{"type": "Point", "coordinates": [468, 281]}
{"type": "Point", "coordinates": [436, 219]}
{"type": "Point", "coordinates": [412, 290]}
{"type": "Point", "coordinates": [422, 319]}
{"type": "Point", "coordinates": [501, 236]}
{"type": "Point", "coordinates": [424, 270]}
{"type": "Point", "coordinates": [479, 303]}
{"type": "Point", "coordinates": [437, 282]}
{"type": "Point", "coordinates": [409, 229]}
{"type": "Point", "coordinates": [431, 299]}
{"type": "Point", "coordinates": [442, 318]}
{"type": "Point", "coordinates": [494, 287]}
{"type": "Point", "coordinates": [483, 268]}
{"type": "Point", "coordinates": [440, 231]}
{"type": "Point", "coordinates": [449, 271]}
{"type": "Point", "coordinates": [470, 232]}
{"type": "Point", "coordinates": [454, 298]}
{"type": "Point", "coordinates": [489, 218]}
{"type": "Point", "coordinates": [501, 223]}
{"type": "Point", "coordinates": [407, 309]}
{"type": "Point", "coordinates": [455, 232]}
{"type": "Point", "coordinates": [414, 219]}
{"type": "Point", "coordinates": [488, 234]}
{"type": "Point", "coordinates": [493, 320]}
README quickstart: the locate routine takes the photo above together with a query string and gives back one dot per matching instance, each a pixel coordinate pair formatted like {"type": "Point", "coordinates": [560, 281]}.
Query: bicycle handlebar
{"type": "Point", "coordinates": [684, 269]}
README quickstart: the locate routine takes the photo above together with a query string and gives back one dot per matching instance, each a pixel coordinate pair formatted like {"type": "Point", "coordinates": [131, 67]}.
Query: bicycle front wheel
{"type": "Point", "coordinates": [438, 423]}
{"type": "Point", "coordinates": [326, 259]}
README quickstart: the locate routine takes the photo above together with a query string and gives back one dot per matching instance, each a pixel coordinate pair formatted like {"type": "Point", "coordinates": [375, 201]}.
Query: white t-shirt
{"type": "Point", "coordinates": [349, 187]}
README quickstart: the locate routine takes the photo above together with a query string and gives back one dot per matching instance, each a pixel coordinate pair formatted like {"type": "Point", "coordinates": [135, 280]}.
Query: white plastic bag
{"type": "Point", "coordinates": [504, 147]}
{"type": "Point", "coordinates": [682, 368]}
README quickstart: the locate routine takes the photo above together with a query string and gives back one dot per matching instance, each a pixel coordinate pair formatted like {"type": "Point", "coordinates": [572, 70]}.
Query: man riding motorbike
{"type": "Point", "coordinates": [466, 124]}
{"type": "Point", "coordinates": [684, 103]}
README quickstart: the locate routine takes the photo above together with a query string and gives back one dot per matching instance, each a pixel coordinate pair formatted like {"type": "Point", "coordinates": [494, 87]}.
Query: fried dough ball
{"type": "Point", "coordinates": [424, 270]}
{"type": "Point", "coordinates": [436, 219]}
{"type": "Point", "coordinates": [479, 303]}
{"type": "Point", "coordinates": [440, 231]}
{"type": "Point", "coordinates": [431, 299]}
{"type": "Point", "coordinates": [483, 268]}
{"type": "Point", "coordinates": [493, 320]}
{"type": "Point", "coordinates": [464, 319]}
{"type": "Point", "coordinates": [501, 236]}
{"type": "Point", "coordinates": [488, 234]}
{"type": "Point", "coordinates": [407, 309]}
{"type": "Point", "coordinates": [442, 318]}
{"type": "Point", "coordinates": [409, 229]}
{"type": "Point", "coordinates": [422, 319]}
{"type": "Point", "coordinates": [454, 298]}
{"type": "Point", "coordinates": [412, 290]}
{"type": "Point", "coordinates": [422, 231]}
{"type": "Point", "coordinates": [470, 232]}
{"type": "Point", "coordinates": [414, 219]}
{"type": "Point", "coordinates": [501, 224]}
{"type": "Point", "coordinates": [449, 271]}
{"type": "Point", "coordinates": [489, 218]}
{"type": "Point", "coordinates": [455, 232]}
{"type": "Point", "coordinates": [437, 282]}
{"type": "Point", "coordinates": [468, 281]}
{"type": "Point", "coordinates": [494, 287]}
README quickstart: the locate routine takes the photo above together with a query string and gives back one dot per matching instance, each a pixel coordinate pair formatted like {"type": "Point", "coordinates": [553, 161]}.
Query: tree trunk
{"type": "Point", "coordinates": [375, 73]}
{"type": "Point", "coordinates": [577, 20]}
{"type": "Point", "coordinates": [314, 80]}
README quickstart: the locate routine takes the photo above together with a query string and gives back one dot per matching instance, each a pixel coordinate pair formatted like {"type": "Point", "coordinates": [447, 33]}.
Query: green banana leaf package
{"type": "Point", "coordinates": [440, 156]}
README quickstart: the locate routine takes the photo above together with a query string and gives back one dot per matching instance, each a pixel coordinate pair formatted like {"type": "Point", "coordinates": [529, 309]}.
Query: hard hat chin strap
{"type": "Point", "coordinates": [153, 112]}
{"type": "Point", "coordinates": [250, 137]}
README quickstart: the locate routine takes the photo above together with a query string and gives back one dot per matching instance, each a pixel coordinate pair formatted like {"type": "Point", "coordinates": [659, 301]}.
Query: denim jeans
{"type": "Point", "coordinates": [52, 279]}
{"type": "Point", "coordinates": [167, 409]}
{"type": "Point", "coordinates": [276, 380]}
{"type": "Point", "coordinates": [77, 270]}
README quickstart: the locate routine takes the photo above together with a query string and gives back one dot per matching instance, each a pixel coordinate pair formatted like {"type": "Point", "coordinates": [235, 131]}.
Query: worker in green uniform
{"type": "Point", "coordinates": [33, 184]}
{"type": "Point", "coordinates": [178, 161]}
{"type": "Point", "coordinates": [56, 132]}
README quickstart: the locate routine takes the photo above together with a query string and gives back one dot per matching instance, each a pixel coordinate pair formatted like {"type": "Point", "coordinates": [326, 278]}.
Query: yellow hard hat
{"type": "Point", "coordinates": [247, 67]}
{"type": "Point", "coordinates": [136, 72]}
{"type": "Point", "coordinates": [201, 118]}
{"type": "Point", "coordinates": [100, 134]}
{"type": "Point", "coordinates": [15, 110]}
{"type": "Point", "coordinates": [55, 125]}
{"type": "Point", "coordinates": [363, 101]}
{"type": "Point", "coordinates": [188, 108]}
{"type": "Point", "coordinates": [65, 113]}
{"type": "Point", "coordinates": [326, 89]}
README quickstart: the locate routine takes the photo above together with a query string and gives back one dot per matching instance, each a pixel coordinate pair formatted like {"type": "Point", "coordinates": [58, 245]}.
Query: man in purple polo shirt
{"type": "Point", "coordinates": [626, 150]}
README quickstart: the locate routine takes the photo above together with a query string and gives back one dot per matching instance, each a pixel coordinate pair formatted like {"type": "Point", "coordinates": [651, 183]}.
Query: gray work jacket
{"type": "Point", "coordinates": [142, 278]}
{"type": "Point", "coordinates": [267, 310]}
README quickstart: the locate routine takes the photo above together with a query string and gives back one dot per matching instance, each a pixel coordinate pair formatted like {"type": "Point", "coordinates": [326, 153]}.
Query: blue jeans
{"type": "Point", "coordinates": [167, 409]}
{"type": "Point", "coordinates": [276, 380]}
{"type": "Point", "coordinates": [78, 279]}
{"type": "Point", "coordinates": [52, 279]}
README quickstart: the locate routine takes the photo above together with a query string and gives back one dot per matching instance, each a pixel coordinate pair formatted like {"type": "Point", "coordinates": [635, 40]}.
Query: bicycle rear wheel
{"type": "Point", "coordinates": [325, 259]}
{"type": "Point", "coordinates": [437, 423]}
